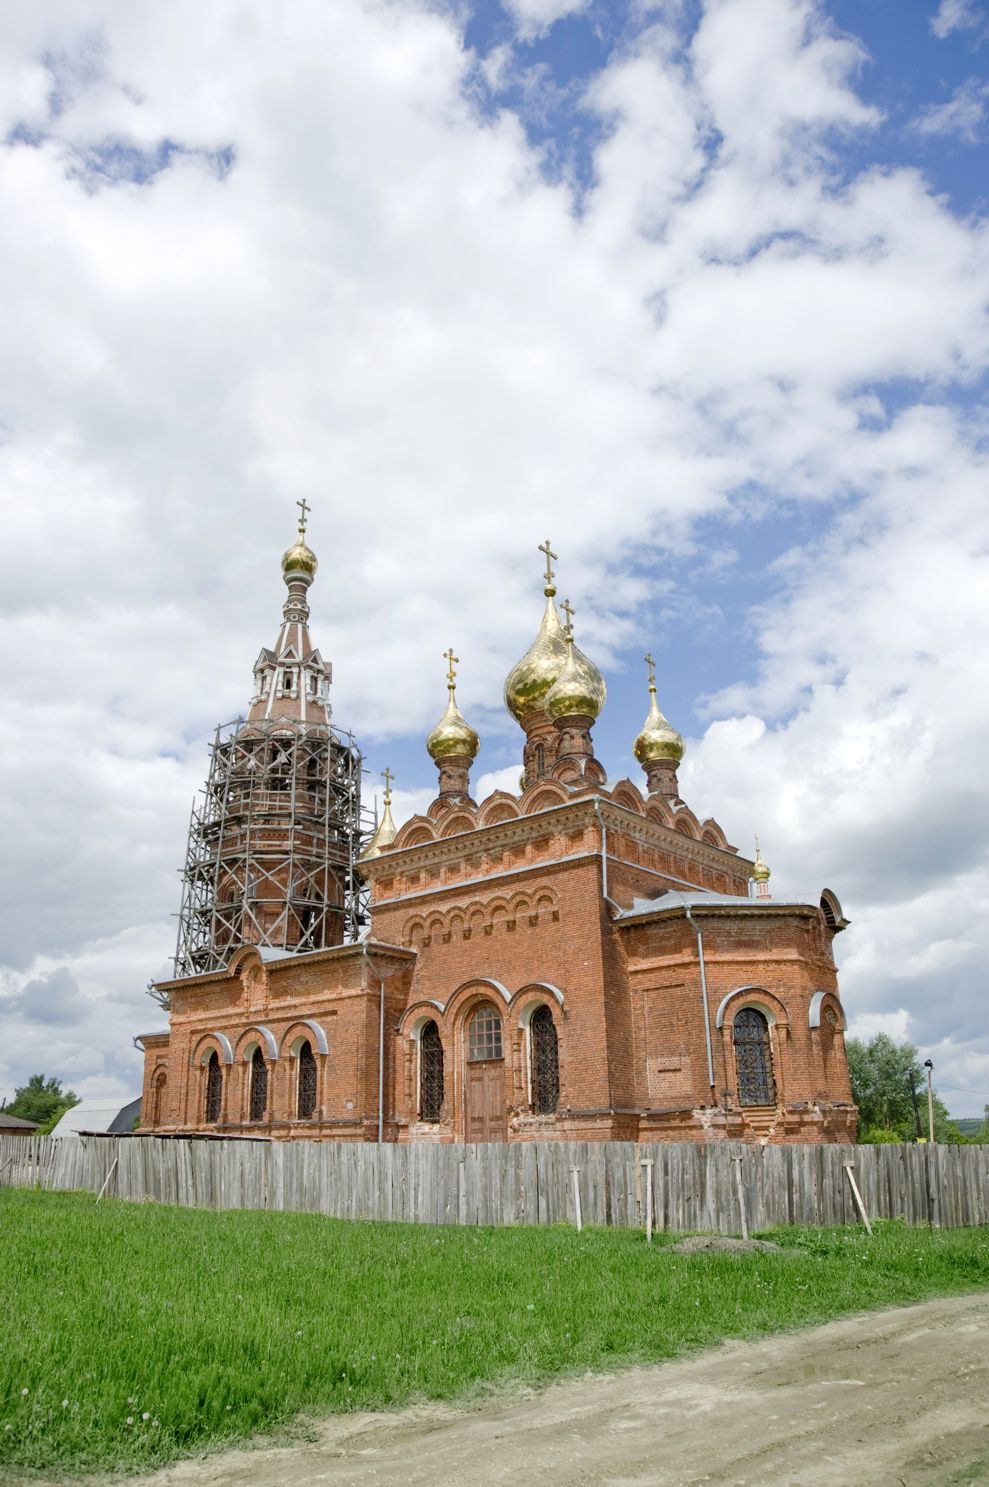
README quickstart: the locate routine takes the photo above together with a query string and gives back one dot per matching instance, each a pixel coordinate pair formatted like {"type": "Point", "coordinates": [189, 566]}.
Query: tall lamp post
{"type": "Point", "coordinates": [930, 1099]}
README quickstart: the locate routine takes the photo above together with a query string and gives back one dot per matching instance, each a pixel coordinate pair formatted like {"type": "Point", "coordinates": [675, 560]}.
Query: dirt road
{"type": "Point", "coordinates": [898, 1397]}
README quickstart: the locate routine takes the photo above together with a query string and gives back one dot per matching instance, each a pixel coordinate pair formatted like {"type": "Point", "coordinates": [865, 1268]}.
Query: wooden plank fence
{"type": "Point", "coordinates": [694, 1185]}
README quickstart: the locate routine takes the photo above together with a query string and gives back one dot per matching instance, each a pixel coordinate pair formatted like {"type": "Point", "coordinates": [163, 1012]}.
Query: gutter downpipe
{"type": "Point", "coordinates": [707, 1013]}
{"type": "Point", "coordinates": [381, 1044]}
{"type": "Point", "coordinates": [596, 803]}
{"type": "Point", "coordinates": [381, 1060]}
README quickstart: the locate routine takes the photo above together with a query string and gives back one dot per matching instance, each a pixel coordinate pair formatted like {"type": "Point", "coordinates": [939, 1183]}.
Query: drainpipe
{"type": "Point", "coordinates": [381, 1061]}
{"type": "Point", "coordinates": [707, 1013]}
{"type": "Point", "coordinates": [596, 803]}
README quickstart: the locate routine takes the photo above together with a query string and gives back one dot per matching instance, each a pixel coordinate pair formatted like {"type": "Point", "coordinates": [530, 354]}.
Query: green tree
{"type": "Point", "coordinates": [890, 1088]}
{"type": "Point", "coordinates": [42, 1100]}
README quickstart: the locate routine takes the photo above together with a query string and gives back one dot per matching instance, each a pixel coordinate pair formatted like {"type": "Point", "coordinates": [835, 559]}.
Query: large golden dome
{"type": "Point", "coordinates": [530, 679]}
{"type": "Point", "coordinates": [658, 739]}
{"type": "Point", "coordinates": [579, 690]}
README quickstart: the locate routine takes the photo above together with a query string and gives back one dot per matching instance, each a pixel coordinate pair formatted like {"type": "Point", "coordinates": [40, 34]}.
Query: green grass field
{"type": "Point", "coordinates": [133, 1334]}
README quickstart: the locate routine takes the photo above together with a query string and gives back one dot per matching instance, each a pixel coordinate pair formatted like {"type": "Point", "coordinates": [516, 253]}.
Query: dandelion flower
{"type": "Point", "coordinates": [65, 1404]}
{"type": "Point", "coordinates": [146, 1415]}
{"type": "Point", "coordinates": [25, 1393]}
{"type": "Point", "coordinates": [130, 1419]}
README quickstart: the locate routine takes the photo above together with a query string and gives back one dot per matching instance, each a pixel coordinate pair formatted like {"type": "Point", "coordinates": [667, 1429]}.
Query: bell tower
{"type": "Point", "coordinates": [276, 834]}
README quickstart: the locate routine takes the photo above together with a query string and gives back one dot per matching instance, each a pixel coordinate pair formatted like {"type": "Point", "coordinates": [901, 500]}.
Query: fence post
{"type": "Point", "coordinates": [106, 1180]}
{"type": "Point", "coordinates": [575, 1175]}
{"type": "Point", "coordinates": [849, 1173]}
{"type": "Point", "coordinates": [740, 1186]}
{"type": "Point", "coordinates": [648, 1166]}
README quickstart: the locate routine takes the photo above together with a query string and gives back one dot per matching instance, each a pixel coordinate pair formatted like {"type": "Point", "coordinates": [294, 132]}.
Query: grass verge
{"type": "Point", "coordinates": [134, 1334]}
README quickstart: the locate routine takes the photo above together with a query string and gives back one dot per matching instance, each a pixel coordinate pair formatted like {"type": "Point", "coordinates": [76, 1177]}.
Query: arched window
{"type": "Point", "coordinates": [430, 1073]}
{"type": "Point", "coordinates": [214, 1089]}
{"type": "Point", "coordinates": [259, 1086]}
{"type": "Point", "coordinates": [158, 1098]}
{"type": "Point", "coordinates": [540, 761]}
{"type": "Point", "coordinates": [484, 1034]}
{"type": "Point", "coordinates": [545, 1062]}
{"type": "Point", "coordinates": [307, 1081]}
{"type": "Point", "coordinates": [753, 1058]}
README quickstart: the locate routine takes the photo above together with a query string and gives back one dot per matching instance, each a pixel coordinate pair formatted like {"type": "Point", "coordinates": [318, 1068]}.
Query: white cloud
{"type": "Point", "coordinates": [963, 115]}
{"type": "Point", "coordinates": [535, 17]}
{"type": "Point", "coordinates": [958, 15]}
{"type": "Point", "coordinates": [345, 282]}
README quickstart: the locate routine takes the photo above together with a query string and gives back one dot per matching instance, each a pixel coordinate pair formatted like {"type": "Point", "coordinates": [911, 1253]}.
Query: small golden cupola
{"type": "Point", "coordinates": [573, 702]}
{"type": "Point", "coordinates": [385, 832]}
{"type": "Point", "coordinates": [579, 690]}
{"type": "Point", "coordinates": [453, 745]}
{"type": "Point", "coordinates": [658, 747]}
{"type": "Point", "coordinates": [299, 561]}
{"type": "Point", "coordinates": [761, 874]}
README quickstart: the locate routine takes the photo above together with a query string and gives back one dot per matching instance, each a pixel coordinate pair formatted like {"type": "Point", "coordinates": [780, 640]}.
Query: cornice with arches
{"type": "Point", "coordinates": [505, 911]}
{"type": "Point", "coordinates": [503, 820]}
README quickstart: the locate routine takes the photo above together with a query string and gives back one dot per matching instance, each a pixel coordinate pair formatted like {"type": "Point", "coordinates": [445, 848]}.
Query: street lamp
{"type": "Point", "coordinates": [930, 1100]}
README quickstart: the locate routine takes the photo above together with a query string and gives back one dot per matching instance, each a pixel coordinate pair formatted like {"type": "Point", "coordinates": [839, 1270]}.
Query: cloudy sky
{"type": "Point", "coordinates": [698, 290]}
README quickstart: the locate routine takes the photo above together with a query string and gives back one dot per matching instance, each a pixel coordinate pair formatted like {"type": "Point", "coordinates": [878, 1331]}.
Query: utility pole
{"type": "Point", "coordinates": [930, 1099]}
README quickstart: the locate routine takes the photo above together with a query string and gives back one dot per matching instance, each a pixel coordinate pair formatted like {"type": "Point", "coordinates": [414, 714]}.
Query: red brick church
{"type": "Point", "coordinates": [578, 960]}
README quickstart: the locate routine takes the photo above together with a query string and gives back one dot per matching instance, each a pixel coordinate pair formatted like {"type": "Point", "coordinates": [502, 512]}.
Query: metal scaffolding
{"type": "Point", "coordinates": [273, 845]}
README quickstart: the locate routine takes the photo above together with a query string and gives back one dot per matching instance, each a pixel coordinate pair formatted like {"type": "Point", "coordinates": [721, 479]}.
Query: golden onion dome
{"type": "Point", "coordinates": [531, 678]}
{"type": "Point", "coordinates": [657, 739]}
{"type": "Point", "coordinates": [453, 735]}
{"type": "Point", "coordinates": [579, 690]}
{"type": "Point", "coordinates": [299, 562]}
{"type": "Point", "coordinates": [760, 869]}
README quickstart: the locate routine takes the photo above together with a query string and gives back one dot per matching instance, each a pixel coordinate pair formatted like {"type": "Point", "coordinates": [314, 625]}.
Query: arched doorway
{"type": "Point", "coordinates": [484, 1082]}
{"type": "Point", "coordinates": [753, 1058]}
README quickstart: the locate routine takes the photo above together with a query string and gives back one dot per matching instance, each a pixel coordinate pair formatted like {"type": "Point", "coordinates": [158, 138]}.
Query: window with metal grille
{"type": "Point", "coordinates": [753, 1058]}
{"type": "Point", "coordinates": [214, 1089]}
{"type": "Point", "coordinates": [545, 1062]}
{"type": "Point", "coordinates": [307, 1081]}
{"type": "Point", "coordinates": [484, 1034]}
{"type": "Point", "coordinates": [259, 1085]}
{"type": "Point", "coordinates": [159, 1096]}
{"type": "Point", "coordinates": [430, 1073]}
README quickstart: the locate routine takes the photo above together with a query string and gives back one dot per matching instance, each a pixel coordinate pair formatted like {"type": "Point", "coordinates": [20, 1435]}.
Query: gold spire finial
{"type": "Point", "coordinates": [569, 611]}
{"type": "Point", "coordinates": [760, 869]}
{"type": "Point", "coordinates": [451, 675]}
{"type": "Point", "coordinates": [551, 557]}
{"type": "Point", "coordinates": [652, 670]}
{"type": "Point", "coordinates": [304, 510]}
{"type": "Point", "coordinates": [387, 776]}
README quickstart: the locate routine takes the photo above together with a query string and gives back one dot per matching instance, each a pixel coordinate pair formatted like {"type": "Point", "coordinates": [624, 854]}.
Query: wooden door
{"type": "Point", "coordinates": [485, 1091]}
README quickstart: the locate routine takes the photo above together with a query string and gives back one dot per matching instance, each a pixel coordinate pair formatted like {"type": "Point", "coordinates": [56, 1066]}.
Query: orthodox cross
{"type": "Point", "coordinates": [550, 554]}
{"type": "Point", "coordinates": [451, 676]}
{"type": "Point", "coordinates": [304, 510]}
{"type": "Point", "coordinates": [569, 612]}
{"type": "Point", "coordinates": [387, 776]}
{"type": "Point", "coordinates": [652, 670]}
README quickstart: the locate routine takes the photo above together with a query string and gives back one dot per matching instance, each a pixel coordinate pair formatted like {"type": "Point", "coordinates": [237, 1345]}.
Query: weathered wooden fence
{"type": "Point", "coordinates": [694, 1186]}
